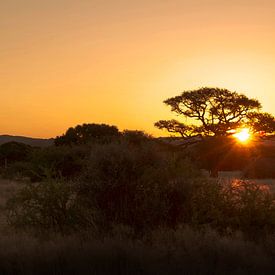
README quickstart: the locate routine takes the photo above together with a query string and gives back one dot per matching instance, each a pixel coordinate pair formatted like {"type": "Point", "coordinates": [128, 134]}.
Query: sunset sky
{"type": "Point", "coordinates": [66, 62]}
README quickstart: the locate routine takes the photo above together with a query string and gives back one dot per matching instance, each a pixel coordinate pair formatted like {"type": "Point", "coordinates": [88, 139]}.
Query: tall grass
{"type": "Point", "coordinates": [181, 251]}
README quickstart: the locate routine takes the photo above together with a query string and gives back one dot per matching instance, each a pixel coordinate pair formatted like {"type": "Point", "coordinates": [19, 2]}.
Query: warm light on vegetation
{"type": "Point", "coordinates": [243, 135]}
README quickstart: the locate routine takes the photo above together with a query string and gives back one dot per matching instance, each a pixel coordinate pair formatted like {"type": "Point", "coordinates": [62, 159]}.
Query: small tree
{"type": "Point", "coordinates": [82, 134]}
{"type": "Point", "coordinates": [214, 112]}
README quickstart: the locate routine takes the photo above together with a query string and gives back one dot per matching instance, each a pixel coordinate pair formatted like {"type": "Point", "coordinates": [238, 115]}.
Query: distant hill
{"type": "Point", "coordinates": [39, 142]}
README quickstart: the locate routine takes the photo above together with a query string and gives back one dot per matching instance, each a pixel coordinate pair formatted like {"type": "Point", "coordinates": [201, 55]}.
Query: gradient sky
{"type": "Point", "coordinates": [65, 62]}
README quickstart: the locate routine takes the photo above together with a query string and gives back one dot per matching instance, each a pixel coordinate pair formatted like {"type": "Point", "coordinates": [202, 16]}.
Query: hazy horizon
{"type": "Point", "coordinates": [67, 62]}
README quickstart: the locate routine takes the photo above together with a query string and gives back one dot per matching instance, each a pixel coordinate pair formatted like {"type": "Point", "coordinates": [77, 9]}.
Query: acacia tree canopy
{"type": "Point", "coordinates": [214, 112]}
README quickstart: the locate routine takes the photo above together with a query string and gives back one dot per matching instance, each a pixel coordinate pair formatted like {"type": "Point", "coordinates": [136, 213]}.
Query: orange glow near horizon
{"type": "Point", "coordinates": [243, 135]}
{"type": "Point", "coordinates": [67, 62]}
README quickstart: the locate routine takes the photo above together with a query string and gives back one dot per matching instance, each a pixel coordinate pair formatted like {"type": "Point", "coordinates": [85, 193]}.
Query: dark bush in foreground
{"type": "Point", "coordinates": [50, 206]}
{"type": "Point", "coordinates": [234, 206]}
{"type": "Point", "coordinates": [126, 183]}
{"type": "Point", "coordinates": [137, 185]}
{"type": "Point", "coordinates": [20, 170]}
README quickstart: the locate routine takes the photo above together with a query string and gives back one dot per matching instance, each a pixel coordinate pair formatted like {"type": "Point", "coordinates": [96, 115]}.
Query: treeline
{"type": "Point", "coordinates": [67, 157]}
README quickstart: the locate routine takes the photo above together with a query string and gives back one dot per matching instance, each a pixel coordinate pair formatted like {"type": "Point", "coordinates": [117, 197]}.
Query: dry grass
{"type": "Point", "coordinates": [7, 189]}
{"type": "Point", "coordinates": [183, 251]}
{"type": "Point", "coordinates": [228, 176]}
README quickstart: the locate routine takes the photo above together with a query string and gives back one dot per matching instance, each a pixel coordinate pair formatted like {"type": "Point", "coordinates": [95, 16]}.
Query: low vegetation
{"type": "Point", "coordinates": [127, 203]}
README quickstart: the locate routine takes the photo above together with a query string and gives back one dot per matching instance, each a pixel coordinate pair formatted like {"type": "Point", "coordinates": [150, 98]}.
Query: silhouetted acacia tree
{"type": "Point", "coordinates": [82, 134]}
{"type": "Point", "coordinates": [214, 112]}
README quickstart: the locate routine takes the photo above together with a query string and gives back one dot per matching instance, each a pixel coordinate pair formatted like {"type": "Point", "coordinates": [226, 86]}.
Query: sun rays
{"type": "Point", "coordinates": [243, 135]}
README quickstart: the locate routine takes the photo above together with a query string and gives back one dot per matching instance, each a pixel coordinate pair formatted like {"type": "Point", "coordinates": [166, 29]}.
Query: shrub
{"type": "Point", "coordinates": [11, 152]}
{"type": "Point", "coordinates": [138, 186]}
{"type": "Point", "coordinates": [18, 170]}
{"type": "Point", "coordinates": [233, 206]}
{"type": "Point", "coordinates": [48, 206]}
{"type": "Point", "coordinates": [54, 162]}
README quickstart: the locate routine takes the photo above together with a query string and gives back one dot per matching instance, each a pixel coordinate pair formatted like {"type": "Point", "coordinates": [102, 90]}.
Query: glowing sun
{"type": "Point", "coordinates": [243, 135]}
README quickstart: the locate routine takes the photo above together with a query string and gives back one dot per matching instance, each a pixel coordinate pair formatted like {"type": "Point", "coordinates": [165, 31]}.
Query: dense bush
{"type": "Point", "coordinates": [48, 206]}
{"type": "Point", "coordinates": [136, 185]}
{"type": "Point", "coordinates": [234, 206]}
{"type": "Point", "coordinates": [85, 133]}
{"type": "Point", "coordinates": [20, 170]}
{"type": "Point", "coordinates": [134, 182]}
{"type": "Point", "coordinates": [49, 162]}
{"type": "Point", "coordinates": [11, 152]}
{"type": "Point", "coordinates": [55, 162]}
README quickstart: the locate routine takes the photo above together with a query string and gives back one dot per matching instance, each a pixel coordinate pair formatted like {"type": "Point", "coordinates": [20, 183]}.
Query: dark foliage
{"type": "Point", "coordinates": [214, 112]}
{"type": "Point", "coordinates": [48, 206]}
{"type": "Point", "coordinates": [134, 181]}
{"type": "Point", "coordinates": [13, 152]}
{"type": "Point", "coordinates": [85, 133]}
{"type": "Point", "coordinates": [142, 186]}
{"type": "Point", "coordinates": [135, 136]}
{"type": "Point", "coordinates": [222, 154]}
{"type": "Point", "coordinates": [136, 185]}
{"type": "Point", "coordinates": [56, 162]}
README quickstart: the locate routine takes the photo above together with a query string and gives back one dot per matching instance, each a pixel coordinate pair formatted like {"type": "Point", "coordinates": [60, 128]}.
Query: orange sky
{"type": "Point", "coordinates": [65, 62]}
